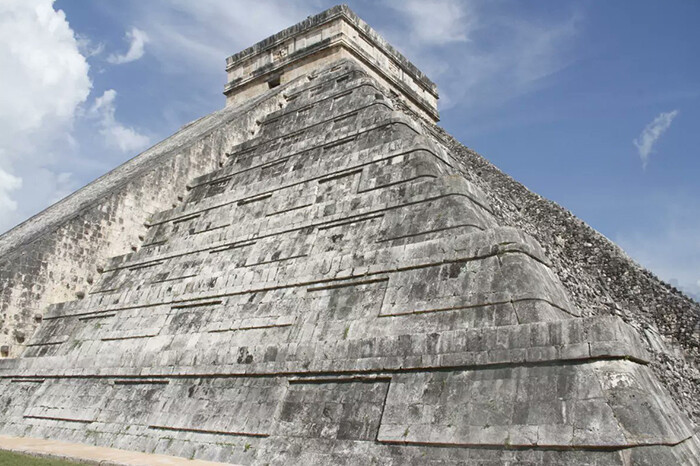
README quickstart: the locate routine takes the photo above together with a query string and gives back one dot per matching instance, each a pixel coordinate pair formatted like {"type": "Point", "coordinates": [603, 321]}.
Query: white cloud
{"type": "Point", "coordinates": [137, 42]}
{"type": "Point", "coordinates": [8, 183]}
{"type": "Point", "coordinates": [44, 80]}
{"type": "Point", "coordinates": [651, 133]}
{"type": "Point", "coordinates": [115, 134]}
{"type": "Point", "coordinates": [44, 76]}
{"type": "Point", "coordinates": [436, 22]}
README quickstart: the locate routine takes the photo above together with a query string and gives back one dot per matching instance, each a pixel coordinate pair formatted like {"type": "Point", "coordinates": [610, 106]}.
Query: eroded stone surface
{"type": "Point", "coordinates": [337, 291]}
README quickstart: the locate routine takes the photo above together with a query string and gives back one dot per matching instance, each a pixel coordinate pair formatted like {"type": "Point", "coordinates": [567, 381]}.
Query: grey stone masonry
{"type": "Point", "coordinates": [334, 34]}
{"type": "Point", "coordinates": [335, 291]}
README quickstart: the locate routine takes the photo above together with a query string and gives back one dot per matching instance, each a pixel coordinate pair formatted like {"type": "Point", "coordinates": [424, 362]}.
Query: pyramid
{"type": "Point", "coordinates": [330, 287]}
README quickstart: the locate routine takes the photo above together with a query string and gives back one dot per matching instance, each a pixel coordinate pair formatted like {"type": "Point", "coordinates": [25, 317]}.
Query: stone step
{"type": "Point", "coordinates": [221, 346]}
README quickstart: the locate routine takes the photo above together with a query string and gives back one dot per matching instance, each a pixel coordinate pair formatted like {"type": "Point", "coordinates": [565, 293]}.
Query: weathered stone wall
{"type": "Point", "coordinates": [53, 256]}
{"type": "Point", "coordinates": [600, 278]}
{"type": "Point", "coordinates": [337, 292]}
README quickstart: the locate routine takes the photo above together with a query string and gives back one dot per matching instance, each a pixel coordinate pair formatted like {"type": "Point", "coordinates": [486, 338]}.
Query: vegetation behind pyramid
{"type": "Point", "coordinates": [332, 289]}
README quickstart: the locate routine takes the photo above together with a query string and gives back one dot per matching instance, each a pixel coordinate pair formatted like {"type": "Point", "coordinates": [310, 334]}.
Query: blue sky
{"type": "Point", "coordinates": [594, 105]}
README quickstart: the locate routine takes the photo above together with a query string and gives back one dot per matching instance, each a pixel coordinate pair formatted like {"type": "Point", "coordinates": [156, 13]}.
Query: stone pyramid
{"type": "Point", "coordinates": [330, 288]}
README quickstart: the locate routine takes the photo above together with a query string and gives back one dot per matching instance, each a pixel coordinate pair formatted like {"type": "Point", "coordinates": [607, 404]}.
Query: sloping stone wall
{"type": "Point", "coordinates": [53, 256]}
{"type": "Point", "coordinates": [599, 277]}
{"type": "Point", "coordinates": [339, 292]}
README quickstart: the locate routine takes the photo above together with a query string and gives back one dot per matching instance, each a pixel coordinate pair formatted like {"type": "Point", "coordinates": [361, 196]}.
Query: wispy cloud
{"type": "Point", "coordinates": [116, 134]}
{"type": "Point", "coordinates": [651, 133]}
{"type": "Point", "coordinates": [213, 30]}
{"type": "Point", "coordinates": [436, 22]}
{"type": "Point", "coordinates": [137, 42]}
{"type": "Point", "coordinates": [479, 55]}
{"type": "Point", "coordinates": [87, 47]}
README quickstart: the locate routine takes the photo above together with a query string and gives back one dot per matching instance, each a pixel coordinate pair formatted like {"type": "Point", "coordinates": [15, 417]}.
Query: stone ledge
{"type": "Point", "coordinates": [565, 341]}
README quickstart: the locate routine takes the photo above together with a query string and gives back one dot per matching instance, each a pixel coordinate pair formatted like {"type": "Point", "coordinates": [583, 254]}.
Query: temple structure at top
{"type": "Point", "coordinates": [335, 34]}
